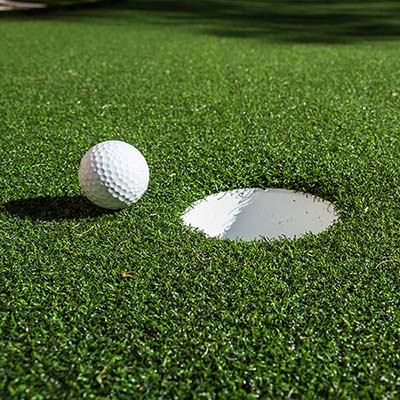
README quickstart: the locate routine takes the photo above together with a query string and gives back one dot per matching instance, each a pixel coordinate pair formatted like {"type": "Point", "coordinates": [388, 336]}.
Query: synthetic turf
{"type": "Point", "coordinates": [132, 304]}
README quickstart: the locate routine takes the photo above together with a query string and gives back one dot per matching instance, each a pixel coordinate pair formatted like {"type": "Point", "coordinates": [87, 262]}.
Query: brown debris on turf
{"type": "Point", "coordinates": [127, 274]}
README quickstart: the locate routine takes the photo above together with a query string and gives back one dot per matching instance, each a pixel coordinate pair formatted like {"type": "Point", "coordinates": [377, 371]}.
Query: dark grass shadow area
{"type": "Point", "coordinates": [333, 21]}
{"type": "Point", "coordinates": [289, 20]}
{"type": "Point", "coordinates": [48, 208]}
{"type": "Point", "coordinates": [285, 20]}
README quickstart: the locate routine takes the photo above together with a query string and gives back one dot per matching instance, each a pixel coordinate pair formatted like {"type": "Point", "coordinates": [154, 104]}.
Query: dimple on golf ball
{"type": "Point", "coordinates": [113, 174]}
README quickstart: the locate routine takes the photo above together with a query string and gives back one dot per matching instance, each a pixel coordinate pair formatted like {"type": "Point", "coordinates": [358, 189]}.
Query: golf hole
{"type": "Point", "coordinates": [257, 214]}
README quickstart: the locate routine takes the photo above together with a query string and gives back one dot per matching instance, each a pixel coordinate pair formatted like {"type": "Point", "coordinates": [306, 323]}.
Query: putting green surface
{"type": "Point", "coordinates": [132, 304]}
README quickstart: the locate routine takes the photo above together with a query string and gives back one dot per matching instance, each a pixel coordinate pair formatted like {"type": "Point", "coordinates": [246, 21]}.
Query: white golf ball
{"type": "Point", "coordinates": [113, 174]}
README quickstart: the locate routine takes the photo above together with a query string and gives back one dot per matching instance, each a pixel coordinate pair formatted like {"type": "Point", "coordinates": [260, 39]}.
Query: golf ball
{"type": "Point", "coordinates": [113, 174]}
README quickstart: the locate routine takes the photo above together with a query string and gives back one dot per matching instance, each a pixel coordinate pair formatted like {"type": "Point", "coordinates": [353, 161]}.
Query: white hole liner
{"type": "Point", "coordinates": [254, 214]}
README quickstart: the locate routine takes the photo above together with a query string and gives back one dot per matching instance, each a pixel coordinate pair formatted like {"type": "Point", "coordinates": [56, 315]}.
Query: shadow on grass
{"type": "Point", "coordinates": [285, 20]}
{"type": "Point", "coordinates": [49, 208]}
{"type": "Point", "coordinates": [279, 20]}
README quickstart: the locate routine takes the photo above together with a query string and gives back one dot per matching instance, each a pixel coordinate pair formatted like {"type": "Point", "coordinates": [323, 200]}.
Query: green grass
{"type": "Point", "coordinates": [199, 318]}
